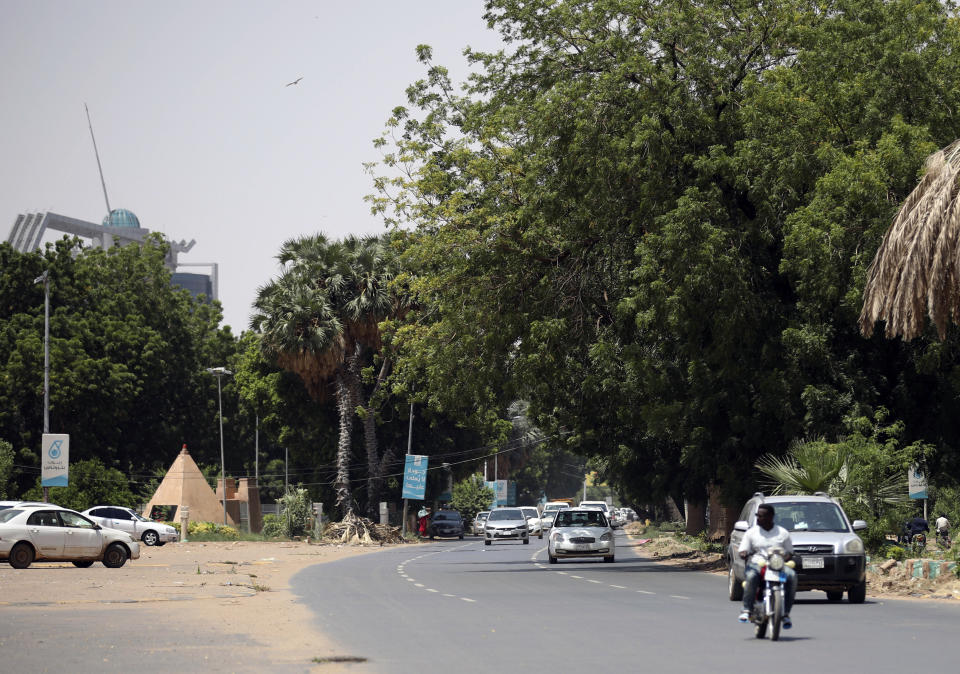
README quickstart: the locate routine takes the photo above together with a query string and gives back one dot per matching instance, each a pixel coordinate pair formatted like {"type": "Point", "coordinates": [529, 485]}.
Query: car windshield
{"type": "Point", "coordinates": [809, 516]}
{"type": "Point", "coordinates": [505, 515]}
{"type": "Point", "coordinates": [9, 513]}
{"type": "Point", "coordinates": [482, 516]}
{"type": "Point", "coordinates": [446, 516]}
{"type": "Point", "coordinates": [588, 518]}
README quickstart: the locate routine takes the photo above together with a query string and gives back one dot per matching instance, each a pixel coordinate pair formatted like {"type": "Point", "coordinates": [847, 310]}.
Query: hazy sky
{"type": "Point", "coordinates": [196, 131]}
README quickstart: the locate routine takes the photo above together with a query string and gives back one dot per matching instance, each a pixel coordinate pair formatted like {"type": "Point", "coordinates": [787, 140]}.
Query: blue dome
{"type": "Point", "coordinates": [121, 217]}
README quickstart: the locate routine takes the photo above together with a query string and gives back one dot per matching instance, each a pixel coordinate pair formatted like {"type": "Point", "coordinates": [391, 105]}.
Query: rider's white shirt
{"type": "Point", "coordinates": [943, 523]}
{"type": "Point", "coordinates": [758, 538]}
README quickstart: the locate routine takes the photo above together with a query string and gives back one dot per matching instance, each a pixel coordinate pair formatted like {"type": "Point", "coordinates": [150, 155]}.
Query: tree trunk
{"type": "Point", "coordinates": [345, 409]}
{"type": "Point", "coordinates": [374, 463]}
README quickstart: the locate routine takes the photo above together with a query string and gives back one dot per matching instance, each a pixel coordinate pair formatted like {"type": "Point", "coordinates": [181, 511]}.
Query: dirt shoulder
{"type": "Point", "coordinates": [242, 587]}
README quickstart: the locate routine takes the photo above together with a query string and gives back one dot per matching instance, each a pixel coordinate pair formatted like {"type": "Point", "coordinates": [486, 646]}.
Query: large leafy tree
{"type": "Point", "coordinates": [653, 222]}
{"type": "Point", "coordinates": [127, 358]}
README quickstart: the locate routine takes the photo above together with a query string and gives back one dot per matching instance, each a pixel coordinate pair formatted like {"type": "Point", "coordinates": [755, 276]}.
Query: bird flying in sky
{"type": "Point", "coordinates": [296, 81]}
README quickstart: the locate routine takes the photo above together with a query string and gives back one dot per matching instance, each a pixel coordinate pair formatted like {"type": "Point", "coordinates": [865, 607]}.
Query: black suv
{"type": "Point", "coordinates": [829, 556]}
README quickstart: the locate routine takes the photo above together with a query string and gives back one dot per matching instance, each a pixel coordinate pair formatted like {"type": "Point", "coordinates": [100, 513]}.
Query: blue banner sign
{"type": "Point", "coordinates": [55, 460]}
{"type": "Point", "coordinates": [415, 477]}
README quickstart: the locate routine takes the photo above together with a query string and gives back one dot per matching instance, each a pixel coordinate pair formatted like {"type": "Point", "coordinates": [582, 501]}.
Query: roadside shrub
{"type": "Point", "coordinates": [272, 526]}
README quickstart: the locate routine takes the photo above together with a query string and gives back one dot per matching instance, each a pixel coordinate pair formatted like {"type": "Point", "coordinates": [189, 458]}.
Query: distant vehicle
{"type": "Point", "coordinates": [546, 519]}
{"type": "Point", "coordinates": [607, 511]}
{"type": "Point", "coordinates": [446, 524]}
{"type": "Point", "coordinates": [628, 515]}
{"type": "Point", "coordinates": [479, 521]}
{"type": "Point", "coordinates": [581, 532]}
{"type": "Point", "coordinates": [533, 520]}
{"type": "Point", "coordinates": [139, 527]}
{"type": "Point", "coordinates": [54, 534]}
{"type": "Point", "coordinates": [555, 505]}
{"type": "Point", "coordinates": [505, 524]}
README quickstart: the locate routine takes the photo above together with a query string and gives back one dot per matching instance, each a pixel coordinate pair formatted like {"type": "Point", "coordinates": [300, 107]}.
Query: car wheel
{"type": "Point", "coordinates": [609, 560]}
{"type": "Point", "coordinates": [858, 593]}
{"type": "Point", "coordinates": [150, 538]}
{"type": "Point", "coordinates": [21, 556]}
{"type": "Point", "coordinates": [540, 536]}
{"type": "Point", "coordinates": [526, 541]}
{"type": "Point", "coordinates": [486, 542]}
{"type": "Point", "coordinates": [553, 560]}
{"type": "Point", "coordinates": [834, 595]}
{"type": "Point", "coordinates": [461, 537]}
{"type": "Point", "coordinates": [115, 556]}
{"type": "Point", "coordinates": [84, 564]}
{"type": "Point", "coordinates": [734, 587]}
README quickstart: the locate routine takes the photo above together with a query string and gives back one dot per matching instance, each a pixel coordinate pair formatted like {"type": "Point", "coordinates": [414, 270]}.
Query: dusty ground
{"type": "Point", "coordinates": [242, 586]}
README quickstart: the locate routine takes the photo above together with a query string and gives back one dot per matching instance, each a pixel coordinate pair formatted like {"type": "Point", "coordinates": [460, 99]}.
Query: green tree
{"type": "Point", "coordinates": [90, 483]}
{"type": "Point", "coordinates": [653, 222]}
{"type": "Point", "coordinates": [471, 496]}
{"type": "Point", "coordinates": [6, 468]}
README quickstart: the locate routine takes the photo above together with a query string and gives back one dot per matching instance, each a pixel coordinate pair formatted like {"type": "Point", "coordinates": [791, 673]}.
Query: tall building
{"type": "Point", "coordinates": [121, 227]}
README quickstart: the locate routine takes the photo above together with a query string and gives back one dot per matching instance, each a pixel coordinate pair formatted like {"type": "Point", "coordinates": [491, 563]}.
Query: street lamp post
{"type": "Point", "coordinates": [219, 373]}
{"type": "Point", "coordinates": [45, 279]}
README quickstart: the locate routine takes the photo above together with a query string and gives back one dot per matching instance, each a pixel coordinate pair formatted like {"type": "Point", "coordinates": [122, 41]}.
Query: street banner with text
{"type": "Point", "coordinates": [55, 459]}
{"type": "Point", "coordinates": [415, 477]}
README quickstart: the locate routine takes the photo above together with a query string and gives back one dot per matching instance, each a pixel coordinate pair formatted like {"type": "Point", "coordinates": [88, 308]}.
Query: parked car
{"type": "Point", "coordinates": [9, 504]}
{"type": "Point", "coordinates": [506, 524]}
{"type": "Point", "coordinates": [628, 515]}
{"type": "Point", "coordinates": [581, 532]}
{"type": "Point", "coordinates": [533, 520]}
{"type": "Point", "coordinates": [829, 554]}
{"type": "Point", "coordinates": [139, 527]}
{"type": "Point", "coordinates": [446, 524]}
{"type": "Point", "coordinates": [479, 521]}
{"type": "Point", "coordinates": [52, 534]}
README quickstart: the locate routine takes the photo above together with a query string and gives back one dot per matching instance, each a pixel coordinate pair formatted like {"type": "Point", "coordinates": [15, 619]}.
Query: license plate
{"type": "Point", "coordinates": [812, 562]}
{"type": "Point", "coordinates": [581, 547]}
{"type": "Point", "coordinates": [772, 575]}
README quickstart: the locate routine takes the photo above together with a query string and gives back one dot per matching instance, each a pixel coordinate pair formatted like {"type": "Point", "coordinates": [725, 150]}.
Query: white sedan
{"type": "Point", "coordinates": [52, 534]}
{"type": "Point", "coordinates": [580, 532]}
{"type": "Point", "coordinates": [125, 519]}
{"type": "Point", "coordinates": [533, 520]}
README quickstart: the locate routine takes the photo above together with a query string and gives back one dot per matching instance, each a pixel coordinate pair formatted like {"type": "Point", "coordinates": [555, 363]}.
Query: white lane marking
{"type": "Point", "coordinates": [590, 580]}
{"type": "Point", "coordinates": [679, 596]}
{"type": "Point", "coordinates": [418, 584]}
{"type": "Point", "coordinates": [450, 595]}
{"type": "Point", "coordinates": [410, 580]}
{"type": "Point", "coordinates": [430, 589]}
{"type": "Point", "coordinates": [645, 592]}
{"type": "Point", "coordinates": [472, 601]}
{"type": "Point", "coordinates": [619, 587]}
{"type": "Point", "coordinates": [563, 573]}
{"type": "Point", "coordinates": [578, 577]}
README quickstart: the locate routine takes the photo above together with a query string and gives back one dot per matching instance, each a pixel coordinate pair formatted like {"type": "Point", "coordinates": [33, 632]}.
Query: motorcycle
{"type": "Point", "coordinates": [767, 611]}
{"type": "Point", "coordinates": [943, 539]}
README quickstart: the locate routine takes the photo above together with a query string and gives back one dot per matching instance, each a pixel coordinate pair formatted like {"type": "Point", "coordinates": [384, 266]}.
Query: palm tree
{"type": "Point", "coordinates": [320, 319]}
{"type": "Point", "coordinates": [914, 269]}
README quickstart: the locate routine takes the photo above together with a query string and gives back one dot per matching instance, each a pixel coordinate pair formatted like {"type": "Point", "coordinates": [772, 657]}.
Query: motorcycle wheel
{"type": "Point", "coordinates": [777, 618]}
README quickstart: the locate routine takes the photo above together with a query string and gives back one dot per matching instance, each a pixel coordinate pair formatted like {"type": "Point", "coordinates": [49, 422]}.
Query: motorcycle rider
{"type": "Point", "coordinates": [763, 536]}
{"type": "Point", "coordinates": [943, 528]}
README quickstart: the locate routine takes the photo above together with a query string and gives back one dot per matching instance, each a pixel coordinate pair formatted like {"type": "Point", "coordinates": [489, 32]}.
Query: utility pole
{"type": "Point", "coordinates": [406, 502]}
{"type": "Point", "coordinates": [219, 373]}
{"type": "Point", "coordinates": [45, 279]}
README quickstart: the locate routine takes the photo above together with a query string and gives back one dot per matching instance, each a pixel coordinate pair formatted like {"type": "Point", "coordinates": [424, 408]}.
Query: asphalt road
{"type": "Point", "coordinates": [458, 606]}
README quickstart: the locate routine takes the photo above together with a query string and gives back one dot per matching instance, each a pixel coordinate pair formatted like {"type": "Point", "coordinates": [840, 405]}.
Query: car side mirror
{"type": "Point", "coordinates": [741, 525]}
{"type": "Point", "coordinates": [97, 526]}
{"type": "Point", "coordinates": [859, 525]}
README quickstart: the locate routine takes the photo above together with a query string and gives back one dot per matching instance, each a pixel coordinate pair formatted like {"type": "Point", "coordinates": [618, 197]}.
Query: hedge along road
{"type": "Point", "coordinates": [185, 607]}
{"type": "Point", "coordinates": [460, 606]}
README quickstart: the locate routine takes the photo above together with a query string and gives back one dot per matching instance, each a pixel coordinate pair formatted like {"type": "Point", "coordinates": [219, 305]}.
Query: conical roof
{"type": "Point", "coordinates": [185, 485]}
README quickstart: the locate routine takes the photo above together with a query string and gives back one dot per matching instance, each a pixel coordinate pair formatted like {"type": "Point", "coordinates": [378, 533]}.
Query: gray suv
{"type": "Point", "coordinates": [829, 556]}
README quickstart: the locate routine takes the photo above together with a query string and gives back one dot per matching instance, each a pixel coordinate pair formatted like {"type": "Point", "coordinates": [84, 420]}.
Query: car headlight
{"type": "Point", "coordinates": [854, 546]}
{"type": "Point", "coordinates": [558, 537]}
{"type": "Point", "coordinates": [605, 538]}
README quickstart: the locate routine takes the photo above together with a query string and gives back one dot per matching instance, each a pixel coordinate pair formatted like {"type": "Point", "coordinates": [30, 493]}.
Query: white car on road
{"type": "Point", "coordinates": [52, 534]}
{"type": "Point", "coordinates": [581, 532]}
{"type": "Point", "coordinates": [140, 528]}
{"type": "Point", "coordinates": [533, 520]}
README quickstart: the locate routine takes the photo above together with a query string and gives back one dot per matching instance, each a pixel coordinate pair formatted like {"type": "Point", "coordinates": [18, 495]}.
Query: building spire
{"type": "Point", "coordinates": [97, 154]}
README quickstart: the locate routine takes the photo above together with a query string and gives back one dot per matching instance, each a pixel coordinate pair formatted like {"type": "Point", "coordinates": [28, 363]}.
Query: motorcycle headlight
{"type": "Point", "coordinates": [775, 562]}
{"type": "Point", "coordinates": [854, 546]}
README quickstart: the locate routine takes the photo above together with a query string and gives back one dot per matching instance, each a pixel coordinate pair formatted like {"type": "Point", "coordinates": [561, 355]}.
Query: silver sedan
{"type": "Point", "coordinates": [506, 524]}
{"type": "Point", "coordinates": [580, 532]}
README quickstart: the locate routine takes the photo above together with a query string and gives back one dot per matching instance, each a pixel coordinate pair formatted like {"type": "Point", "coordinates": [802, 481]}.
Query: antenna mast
{"type": "Point", "coordinates": [99, 168]}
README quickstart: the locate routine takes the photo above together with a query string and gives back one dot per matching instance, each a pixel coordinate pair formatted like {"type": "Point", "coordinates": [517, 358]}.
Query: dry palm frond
{"type": "Point", "coordinates": [915, 267]}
